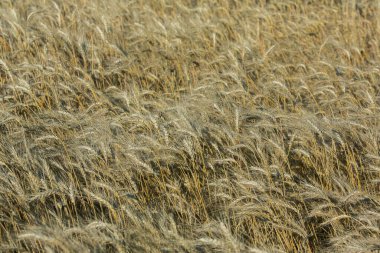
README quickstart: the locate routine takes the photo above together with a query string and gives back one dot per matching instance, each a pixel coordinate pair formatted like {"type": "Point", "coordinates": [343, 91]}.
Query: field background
{"type": "Point", "coordinates": [189, 126]}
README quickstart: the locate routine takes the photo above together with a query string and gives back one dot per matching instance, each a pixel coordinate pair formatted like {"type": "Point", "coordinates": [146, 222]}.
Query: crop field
{"type": "Point", "coordinates": [189, 126]}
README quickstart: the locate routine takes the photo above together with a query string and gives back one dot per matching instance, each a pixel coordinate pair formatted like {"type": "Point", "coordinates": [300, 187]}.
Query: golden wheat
{"type": "Point", "coordinates": [189, 126]}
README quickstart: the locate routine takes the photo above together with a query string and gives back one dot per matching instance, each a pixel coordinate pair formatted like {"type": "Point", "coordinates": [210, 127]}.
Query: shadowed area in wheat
{"type": "Point", "coordinates": [189, 126]}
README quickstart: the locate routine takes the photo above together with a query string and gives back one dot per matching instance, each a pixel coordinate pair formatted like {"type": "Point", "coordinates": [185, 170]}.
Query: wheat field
{"type": "Point", "coordinates": [189, 126]}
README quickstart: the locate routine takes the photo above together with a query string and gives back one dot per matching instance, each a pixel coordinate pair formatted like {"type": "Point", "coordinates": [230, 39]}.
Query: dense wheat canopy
{"type": "Point", "coordinates": [189, 126]}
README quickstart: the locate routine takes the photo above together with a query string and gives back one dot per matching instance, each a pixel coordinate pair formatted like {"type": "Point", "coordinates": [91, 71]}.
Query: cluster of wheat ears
{"type": "Point", "coordinates": [189, 126]}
